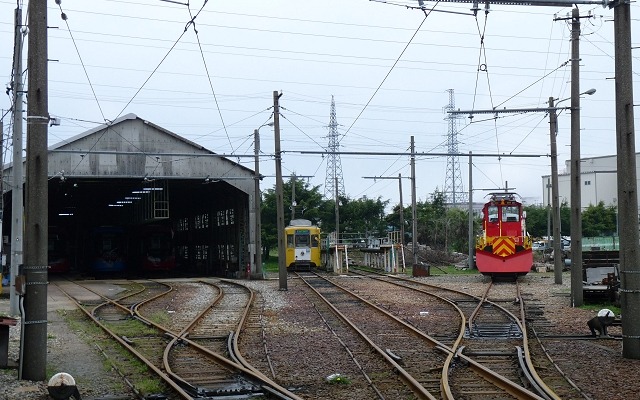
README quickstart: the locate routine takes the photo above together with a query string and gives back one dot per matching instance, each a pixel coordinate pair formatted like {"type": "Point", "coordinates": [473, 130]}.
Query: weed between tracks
{"type": "Point", "coordinates": [127, 365]}
{"type": "Point", "coordinates": [160, 318]}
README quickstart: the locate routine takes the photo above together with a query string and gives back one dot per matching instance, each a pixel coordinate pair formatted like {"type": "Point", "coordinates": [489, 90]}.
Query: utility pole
{"type": "Point", "coordinates": [256, 204]}
{"type": "Point", "coordinates": [471, 235]}
{"type": "Point", "coordinates": [34, 322]}
{"type": "Point", "coordinates": [555, 201]}
{"type": "Point", "coordinates": [17, 205]}
{"type": "Point", "coordinates": [627, 184]}
{"type": "Point", "coordinates": [576, 196]}
{"type": "Point", "coordinates": [2, 264]}
{"type": "Point", "coordinates": [337, 209]}
{"type": "Point", "coordinates": [401, 212]}
{"type": "Point", "coordinates": [282, 268]}
{"type": "Point", "coordinates": [414, 218]}
{"type": "Point", "coordinates": [293, 197]}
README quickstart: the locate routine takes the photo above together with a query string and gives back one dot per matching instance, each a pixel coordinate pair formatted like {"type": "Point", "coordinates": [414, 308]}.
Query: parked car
{"type": "Point", "coordinates": [540, 246]}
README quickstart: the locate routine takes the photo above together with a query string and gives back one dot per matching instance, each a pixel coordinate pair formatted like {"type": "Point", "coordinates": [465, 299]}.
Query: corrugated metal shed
{"type": "Point", "coordinates": [132, 174]}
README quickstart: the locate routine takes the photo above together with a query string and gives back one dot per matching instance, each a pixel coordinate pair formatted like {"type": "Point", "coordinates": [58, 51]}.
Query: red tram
{"type": "Point", "coordinates": [58, 250]}
{"type": "Point", "coordinates": [504, 247]}
{"type": "Point", "coordinates": [155, 247]}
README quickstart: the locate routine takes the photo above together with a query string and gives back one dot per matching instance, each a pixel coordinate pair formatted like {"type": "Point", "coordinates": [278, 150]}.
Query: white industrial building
{"type": "Point", "coordinates": [598, 180]}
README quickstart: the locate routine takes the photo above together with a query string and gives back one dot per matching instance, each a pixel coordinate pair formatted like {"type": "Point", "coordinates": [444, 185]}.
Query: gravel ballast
{"type": "Point", "coordinates": [595, 366]}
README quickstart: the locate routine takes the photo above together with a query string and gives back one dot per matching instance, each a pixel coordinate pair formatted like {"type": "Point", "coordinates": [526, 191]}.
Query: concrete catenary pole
{"type": "Point", "coordinates": [17, 205]}
{"type": "Point", "coordinates": [627, 184]}
{"type": "Point", "coordinates": [414, 218]}
{"type": "Point", "coordinates": [549, 209]}
{"type": "Point", "coordinates": [282, 268]}
{"type": "Point", "coordinates": [555, 200]}
{"type": "Point", "coordinates": [336, 194]}
{"type": "Point", "coordinates": [471, 247]}
{"type": "Point", "coordinates": [576, 196]}
{"type": "Point", "coordinates": [401, 212]}
{"type": "Point", "coordinates": [33, 367]}
{"type": "Point", "coordinates": [293, 197]}
{"type": "Point", "coordinates": [256, 205]}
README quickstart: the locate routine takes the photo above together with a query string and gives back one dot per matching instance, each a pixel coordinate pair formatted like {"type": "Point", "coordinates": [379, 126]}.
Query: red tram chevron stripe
{"type": "Point", "coordinates": [504, 247]}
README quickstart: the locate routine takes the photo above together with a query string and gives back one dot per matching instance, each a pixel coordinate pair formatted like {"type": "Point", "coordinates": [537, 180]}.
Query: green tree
{"type": "Point", "coordinates": [428, 214]}
{"type": "Point", "coordinates": [359, 217]}
{"type": "Point", "coordinates": [537, 219]}
{"type": "Point", "coordinates": [598, 220]}
{"type": "Point", "coordinates": [441, 227]}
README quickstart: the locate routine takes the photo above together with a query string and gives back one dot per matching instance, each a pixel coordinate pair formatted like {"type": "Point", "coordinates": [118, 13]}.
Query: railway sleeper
{"type": "Point", "coordinates": [490, 353]}
{"type": "Point", "coordinates": [494, 331]}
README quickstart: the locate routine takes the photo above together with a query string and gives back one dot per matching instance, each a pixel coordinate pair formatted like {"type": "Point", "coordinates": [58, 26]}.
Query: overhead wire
{"type": "Point", "coordinates": [301, 131]}
{"type": "Point", "coordinates": [204, 61]}
{"type": "Point", "coordinates": [353, 130]}
{"type": "Point", "coordinates": [108, 123]}
{"type": "Point", "coordinates": [482, 67]}
{"type": "Point", "coordinates": [530, 132]}
{"type": "Point", "coordinates": [534, 83]}
{"type": "Point", "coordinates": [546, 61]}
{"type": "Point", "coordinates": [391, 69]}
{"type": "Point", "coordinates": [485, 175]}
{"type": "Point", "coordinates": [64, 17]}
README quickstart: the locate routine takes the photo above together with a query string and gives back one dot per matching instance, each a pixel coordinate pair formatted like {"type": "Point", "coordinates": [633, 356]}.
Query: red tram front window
{"type": "Point", "coordinates": [492, 212]}
{"type": "Point", "coordinates": [510, 214]}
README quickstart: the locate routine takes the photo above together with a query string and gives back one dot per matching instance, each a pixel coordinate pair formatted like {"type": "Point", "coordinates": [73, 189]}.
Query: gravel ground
{"type": "Point", "coordinates": [595, 366]}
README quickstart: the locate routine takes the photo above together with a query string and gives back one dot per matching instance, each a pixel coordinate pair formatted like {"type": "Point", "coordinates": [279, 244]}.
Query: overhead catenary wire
{"type": "Point", "coordinates": [192, 23]}
{"type": "Point", "coordinates": [108, 123]}
{"type": "Point", "coordinates": [389, 72]}
{"type": "Point", "coordinates": [357, 135]}
{"type": "Point", "coordinates": [483, 67]}
{"type": "Point", "coordinates": [301, 131]}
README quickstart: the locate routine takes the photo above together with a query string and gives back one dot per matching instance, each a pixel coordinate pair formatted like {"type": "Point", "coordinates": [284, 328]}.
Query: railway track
{"type": "Point", "coordinates": [388, 337]}
{"type": "Point", "coordinates": [191, 369]}
{"type": "Point", "coordinates": [397, 338]}
{"type": "Point", "coordinates": [529, 313]}
{"type": "Point", "coordinates": [483, 359]}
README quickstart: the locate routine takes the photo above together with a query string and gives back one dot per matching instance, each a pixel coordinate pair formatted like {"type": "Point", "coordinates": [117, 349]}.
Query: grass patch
{"type": "Point", "coordinates": [150, 386]}
{"type": "Point", "coordinates": [597, 306]}
{"type": "Point", "coordinates": [338, 379]}
{"type": "Point", "coordinates": [131, 328]}
{"type": "Point", "coordinates": [117, 357]}
{"type": "Point", "coordinates": [270, 264]}
{"type": "Point", "coordinates": [160, 318]}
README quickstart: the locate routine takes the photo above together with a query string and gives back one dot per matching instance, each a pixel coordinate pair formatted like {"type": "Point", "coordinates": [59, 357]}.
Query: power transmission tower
{"type": "Point", "coordinates": [453, 191]}
{"type": "Point", "coordinates": [334, 166]}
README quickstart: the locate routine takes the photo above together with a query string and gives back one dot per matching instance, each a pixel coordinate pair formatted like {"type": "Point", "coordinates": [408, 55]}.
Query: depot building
{"type": "Point", "coordinates": [130, 196]}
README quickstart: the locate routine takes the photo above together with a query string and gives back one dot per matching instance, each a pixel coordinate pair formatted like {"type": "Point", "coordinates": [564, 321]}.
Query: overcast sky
{"type": "Point", "coordinates": [387, 66]}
